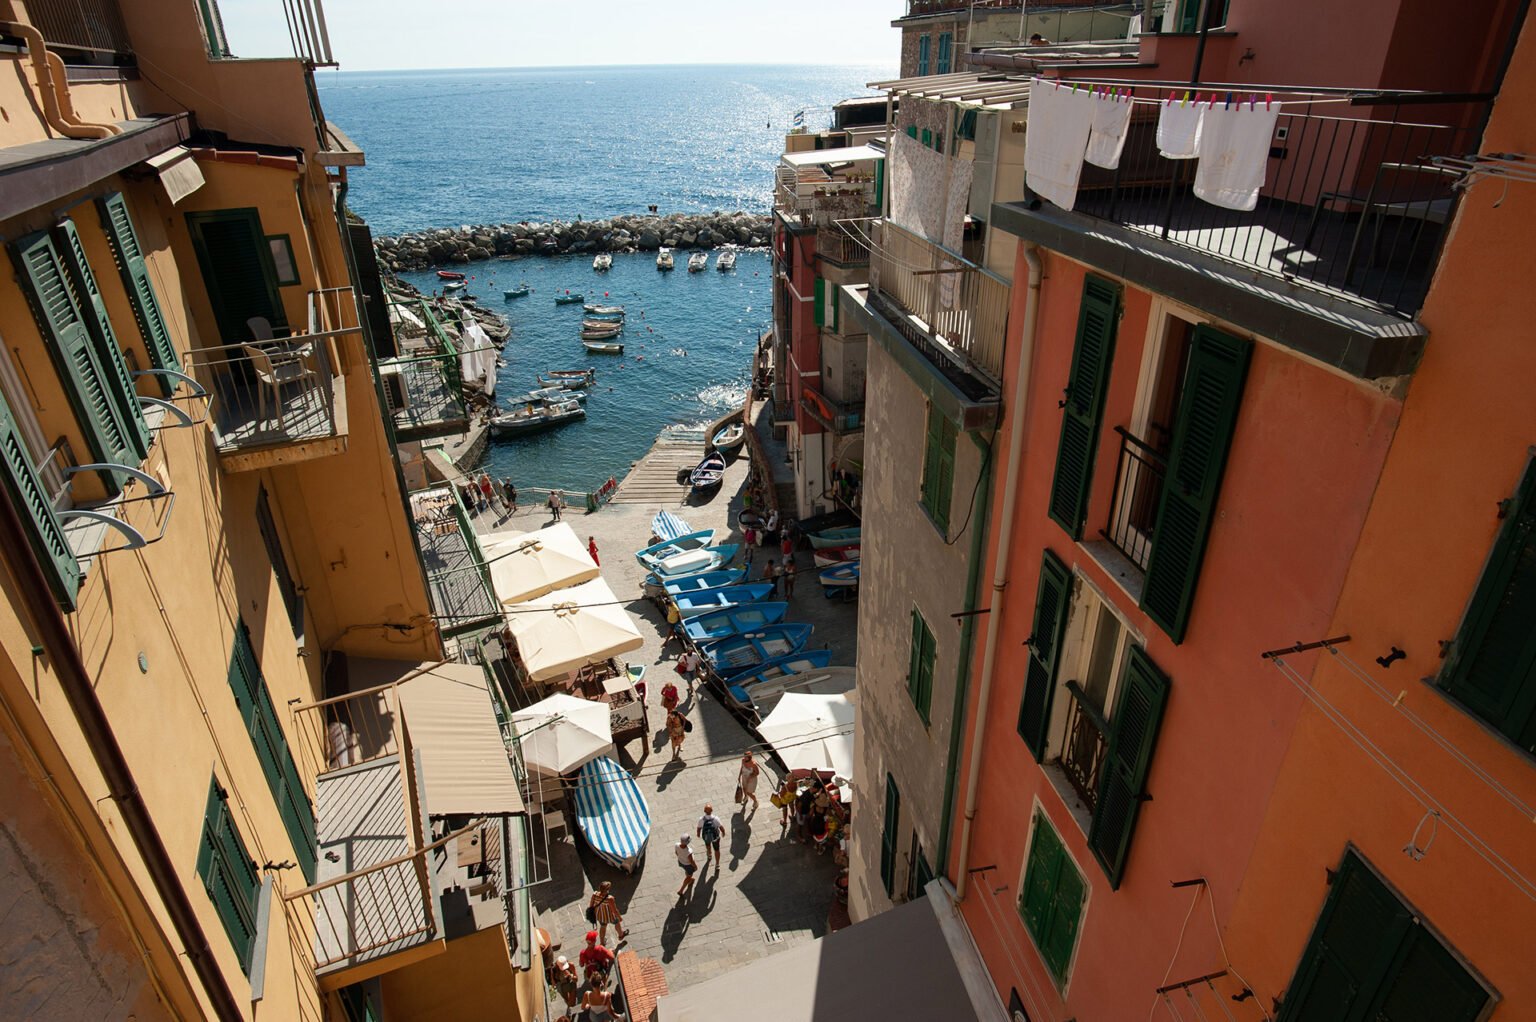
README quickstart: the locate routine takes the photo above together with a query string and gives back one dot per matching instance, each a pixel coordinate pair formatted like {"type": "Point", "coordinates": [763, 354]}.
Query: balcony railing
{"type": "Point", "coordinates": [1082, 754]}
{"type": "Point", "coordinates": [918, 8]}
{"type": "Point", "coordinates": [817, 197]}
{"type": "Point", "coordinates": [95, 26]}
{"type": "Point", "coordinates": [1139, 476]}
{"type": "Point", "coordinates": [835, 416]}
{"type": "Point", "coordinates": [424, 387]}
{"type": "Point", "coordinates": [1351, 206]}
{"type": "Point", "coordinates": [956, 312]}
{"type": "Point", "coordinates": [458, 579]}
{"type": "Point", "coordinates": [838, 247]}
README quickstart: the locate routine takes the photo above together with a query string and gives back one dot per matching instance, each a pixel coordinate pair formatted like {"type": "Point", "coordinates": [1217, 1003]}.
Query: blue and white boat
{"type": "Point", "coordinates": [801, 662]}
{"type": "Point", "coordinates": [848, 535]}
{"type": "Point", "coordinates": [667, 525]}
{"type": "Point", "coordinates": [612, 813]}
{"type": "Point", "coordinates": [839, 576]}
{"type": "Point", "coordinates": [721, 624]}
{"type": "Point", "coordinates": [705, 580]}
{"type": "Point", "coordinates": [740, 654]}
{"type": "Point", "coordinates": [691, 562]}
{"type": "Point", "coordinates": [654, 554]}
{"type": "Point", "coordinates": [707, 600]}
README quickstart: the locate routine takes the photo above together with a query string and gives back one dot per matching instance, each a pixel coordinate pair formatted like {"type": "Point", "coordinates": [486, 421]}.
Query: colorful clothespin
{"type": "Point", "coordinates": [1268, 96]}
{"type": "Point", "coordinates": [1186, 99]}
{"type": "Point", "coordinates": [1251, 100]}
{"type": "Point", "coordinates": [1228, 104]}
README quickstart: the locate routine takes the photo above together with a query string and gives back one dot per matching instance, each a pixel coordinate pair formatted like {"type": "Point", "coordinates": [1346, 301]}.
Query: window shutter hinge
{"type": "Point", "coordinates": [1445, 647]}
{"type": "Point", "coordinates": [1504, 506]}
{"type": "Point", "coordinates": [1332, 875]}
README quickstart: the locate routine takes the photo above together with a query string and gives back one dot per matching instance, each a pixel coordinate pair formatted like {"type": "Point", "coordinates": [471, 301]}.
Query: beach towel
{"type": "Point", "coordinates": [1106, 135]}
{"type": "Point", "coordinates": [1234, 153]}
{"type": "Point", "coordinates": [1055, 140]}
{"type": "Point", "coordinates": [1178, 129]}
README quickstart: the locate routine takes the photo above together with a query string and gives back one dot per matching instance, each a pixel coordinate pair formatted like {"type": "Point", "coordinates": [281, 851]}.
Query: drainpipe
{"type": "Point", "coordinates": [75, 681]}
{"type": "Point", "coordinates": [50, 83]}
{"type": "Point", "coordinates": [1000, 563]}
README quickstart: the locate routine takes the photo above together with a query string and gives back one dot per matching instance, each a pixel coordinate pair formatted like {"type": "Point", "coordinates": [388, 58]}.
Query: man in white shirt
{"type": "Point", "coordinates": [686, 860]}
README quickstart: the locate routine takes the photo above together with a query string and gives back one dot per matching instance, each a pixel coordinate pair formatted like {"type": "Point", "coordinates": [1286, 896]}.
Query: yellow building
{"type": "Point", "coordinates": [238, 780]}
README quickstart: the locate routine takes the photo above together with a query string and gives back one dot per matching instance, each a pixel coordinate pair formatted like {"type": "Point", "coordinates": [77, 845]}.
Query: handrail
{"type": "Point", "coordinates": [398, 860]}
{"type": "Point", "coordinates": [1081, 698]}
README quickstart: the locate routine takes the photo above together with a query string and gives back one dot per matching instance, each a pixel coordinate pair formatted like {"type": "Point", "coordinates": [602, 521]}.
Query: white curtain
{"type": "Point", "coordinates": [477, 356]}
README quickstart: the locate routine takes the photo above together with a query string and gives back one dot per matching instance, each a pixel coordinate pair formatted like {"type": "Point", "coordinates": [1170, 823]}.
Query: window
{"type": "Point", "coordinates": [1371, 957]}
{"type": "Point", "coordinates": [1098, 321]}
{"type": "Point", "coordinates": [888, 835]}
{"type": "Point", "coordinates": [237, 270]}
{"type": "Point", "coordinates": [133, 269]}
{"type": "Point", "coordinates": [293, 600]}
{"type": "Point", "coordinates": [819, 301]}
{"type": "Point", "coordinates": [255, 703]}
{"type": "Point", "coordinates": [966, 129]}
{"type": "Point", "coordinates": [922, 54]}
{"type": "Point", "coordinates": [229, 876]}
{"type": "Point", "coordinates": [946, 44]}
{"type": "Point", "coordinates": [1051, 896]}
{"type": "Point", "coordinates": [1187, 20]}
{"type": "Point", "coordinates": [1492, 664]}
{"type": "Point", "coordinates": [938, 468]}
{"type": "Point", "coordinates": [33, 505]}
{"type": "Point", "coordinates": [921, 873]}
{"type": "Point", "coordinates": [911, 131]}
{"type": "Point", "coordinates": [928, 138]}
{"type": "Point", "coordinates": [920, 666]}
{"type": "Point", "coordinates": [282, 259]}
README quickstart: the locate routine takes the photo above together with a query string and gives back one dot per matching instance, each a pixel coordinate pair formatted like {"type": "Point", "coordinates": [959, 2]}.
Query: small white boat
{"type": "Point", "coordinates": [603, 347]}
{"type": "Point", "coordinates": [454, 286]}
{"type": "Point", "coordinates": [604, 310]}
{"type": "Point", "coordinates": [664, 259]}
{"type": "Point", "coordinates": [698, 261]}
{"type": "Point", "coordinates": [570, 379]}
{"type": "Point", "coordinates": [726, 260]}
{"type": "Point", "coordinates": [547, 394]}
{"type": "Point", "coordinates": [729, 437]}
{"type": "Point", "coordinates": [602, 261]}
{"type": "Point", "coordinates": [536, 416]}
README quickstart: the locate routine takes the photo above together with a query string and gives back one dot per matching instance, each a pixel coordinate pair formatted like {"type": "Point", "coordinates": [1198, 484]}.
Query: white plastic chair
{"type": "Point", "coordinates": [274, 375]}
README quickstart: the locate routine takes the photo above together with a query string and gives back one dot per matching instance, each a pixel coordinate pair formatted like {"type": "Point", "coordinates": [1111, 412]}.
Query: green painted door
{"type": "Point", "coordinates": [237, 271]}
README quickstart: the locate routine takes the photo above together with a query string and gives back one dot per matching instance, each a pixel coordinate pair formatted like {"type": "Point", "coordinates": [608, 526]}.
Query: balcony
{"type": "Point", "coordinates": [820, 186]}
{"type": "Point", "coordinates": [1139, 474]}
{"type": "Point", "coordinates": [834, 416]}
{"type": "Point", "coordinates": [458, 580]}
{"type": "Point", "coordinates": [88, 26]}
{"type": "Point", "coordinates": [282, 400]}
{"type": "Point", "coordinates": [1082, 753]}
{"type": "Point", "coordinates": [838, 247]}
{"type": "Point", "coordinates": [424, 387]}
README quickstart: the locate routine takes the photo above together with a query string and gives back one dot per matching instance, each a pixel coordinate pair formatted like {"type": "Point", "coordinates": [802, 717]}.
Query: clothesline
{"type": "Point", "coordinates": [1125, 92]}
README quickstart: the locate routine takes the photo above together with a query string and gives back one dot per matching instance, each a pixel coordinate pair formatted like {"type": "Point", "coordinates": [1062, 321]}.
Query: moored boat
{"type": "Point", "coordinates": [829, 556]}
{"type": "Point", "coordinates": [536, 416]}
{"type": "Point", "coordinates": [658, 552]}
{"type": "Point", "coordinates": [726, 260]}
{"type": "Point", "coordinates": [602, 261]}
{"type": "Point", "coordinates": [602, 347]}
{"type": "Point", "coordinates": [603, 310]}
{"type": "Point", "coordinates": [742, 653]}
{"type": "Point", "coordinates": [569, 299]}
{"type": "Point", "coordinates": [664, 259]}
{"type": "Point", "coordinates": [611, 813]}
{"type": "Point", "coordinates": [449, 275]}
{"type": "Point", "coordinates": [717, 579]}
{"type": "Point", "coordinates": [707, 600]}
{"type": "Point", "coordinates": [454, 285]}
{"type": "Point", "coordinates": [570, 379]}
{"type": "Point", "coordinates": [708, 473]}
{"type": "Point", "coordinates": [698, 261]}
{"type": "Point", "coordinates": [521, 291]}
{"type": "Point", "coordinates": [602, 325]}
{"type": "Point", "coordinates": [848, 534]}
{"type": "Point", "coordinates": [839, 576]}
{"type": "Point", "coordinates": [547, 394]}
{"type": "Point", "coordinates": [729, 437]}
{"type": "Point", "coordinates": [733, 620]}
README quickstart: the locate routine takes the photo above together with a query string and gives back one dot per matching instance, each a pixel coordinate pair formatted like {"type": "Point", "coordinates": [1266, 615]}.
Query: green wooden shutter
{"type": "Point", "coordinates": [1128, 759]}
{"type": "Point", "coordinates": [888, 836]}
{"type": "Point", "coordinates": [920, 667]}
{"type": "Point", "coordinates": [922, 874]}
{"type": "Point", "coordinates": [922, 54]}
{"type": "Point", "coordinates": [1066, 912]}
{"type": "Point", "coordinates": [1051, 598]}
{"type": "Point", "coordinates": [1428, 984]}
{"type": "Point", "coordinates": [33, 504]}
{"type": "Point", "coordinates": [1045, 855]}
{"type": "Point", "coordinates": [57, 309]}
{"type": "Point", "coordinates": [1492, 668]}
{"type": "Point", "coordinates": [1098, 322]}
{"type": "Point", "coordinates": [134, 270]}
{"type": "Point", "coordinates": [229, 876]}
{"type": "Point", "coordinates": [880, 184]}
{"type": "Point", "coordinates": [1202, 434]}
{"type": "Point", "coordinates": [819, 302]}
{"type": "Point", "coordinates": [938, 467]}
{"type": "Point", "coordinates": [912, 131]}
{"type": "Point", "coordinates": [928, 138]}
{"type": "Point", "coordinates": [125, 401]}
{"type": "Point", "coordinates": [946, 43]}
{"type": "Point", "coordinates": [914, 657]}
{"type": "Point", "coordinates": [237, 270]}
{"type": "Point", "coordinates": [837, 308]}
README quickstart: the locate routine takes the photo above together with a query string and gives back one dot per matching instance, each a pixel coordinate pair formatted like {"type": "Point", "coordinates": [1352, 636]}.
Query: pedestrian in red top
{"type": "Point", "coordinates": [592, 549]}
{"type": "Point", "coordinates": [786, 544]}
{"type": "Point", "coordinates": [596, 960]}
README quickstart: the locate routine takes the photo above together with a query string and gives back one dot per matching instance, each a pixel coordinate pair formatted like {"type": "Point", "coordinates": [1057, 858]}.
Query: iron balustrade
{"type": "Point", "coordinates": [1139, 473]}
{"type": "Point", "coordinates": [1087, 740]}
{"type": "Point", "coordinates": [92, 25]}
{"type": "Point", "coordinates": [840, 247]}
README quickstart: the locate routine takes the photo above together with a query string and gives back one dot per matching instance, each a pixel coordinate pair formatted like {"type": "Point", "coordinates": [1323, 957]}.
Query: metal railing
{"type": "Point", "coordinates": [838, 247]}
{"type": "Point", "coordinates": [918, 8]}
{"type": "Point", "coordinates": [1139, 474]}
{"type": "Point", "coordinates": [836, 416]}
{"type": "Point", "coordinates": [1351, 205]}
{"type": "Point", "coordinates": [307, 32]}
{"type": "Point", "coordinates": [960, 309]}
{"type": "Point", "coordinates": [823, 197]}
{"type": "Point", "coordinates": [1087, 740]}
{"type": "Point", "coordinates": [458, 577]}
{"type": "Point", "coordinates": [424, 389]}
{"type": "Point", "coordinates": [93, 25]}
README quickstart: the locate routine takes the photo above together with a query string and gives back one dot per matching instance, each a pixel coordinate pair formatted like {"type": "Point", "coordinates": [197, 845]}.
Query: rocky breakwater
{"type": "Point", "coordinates": [418, 250]}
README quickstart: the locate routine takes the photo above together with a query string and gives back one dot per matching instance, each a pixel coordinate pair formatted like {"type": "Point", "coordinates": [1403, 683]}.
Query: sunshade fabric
{"type": "Point", "coordinates": [812, 732]}
{"type": "Point", "coordinates": [611, 812]}
{"type": "Point", "coordinates": [451, 722]}
{"type": "Point", "coordinates": [563, 631]}
{"type": "Point", "coordinates": [179, 173]}
{"type": "Point", "coordinates": [667, 526]}
{"type": "Point", "coordinates": [562, 732]}
{"type": "Point", "coordinates": [526, 565]}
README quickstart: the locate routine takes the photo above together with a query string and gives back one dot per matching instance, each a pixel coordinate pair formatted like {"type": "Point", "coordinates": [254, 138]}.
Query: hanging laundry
{"type": "Point", "coordinates": [1106, 136]}
{"type": "Point", "coordinates": [1234, 153]}
{"type": "Point", "coordinates": [1055, 138]}
{"type": "Point", "coordinates": [1178, 128]}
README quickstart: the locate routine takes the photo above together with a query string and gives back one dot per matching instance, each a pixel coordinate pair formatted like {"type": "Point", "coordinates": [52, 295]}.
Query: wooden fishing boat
{"type": "Point", "coordinates": [602, 347]}
{"type": "Point", "coordinates": [570, 379]}
{"type": "Point", "coordinates": [740, 654]}
{"type": "Point", "coordinates": [602, 325]}
{"type": "Point", "coordinates": [454, 285]}
{"type": "Point", "coordinates": [569, 299]}
{"type": "Point", "coordinates": [536, 416]}
{"type": "Point", "coordinates": [611, 813]}
{"type": "Point", "coordinates": [449, 275]}
{"type": "Point", "coordinates": [521, 291]}
{"type": "Point", "coordinates": [602, 261]}
{"type": "Point", "coordinates": [717, 579]}
{"type": "Point", "coordinates": [729, 437]}
{"type": "Point", "coordinates": [839, 576]}
{"type": "Point", "coordinates": [603, 310]}
{"type": "Point", "coordinates": [708, 473]}
{"type": "Point", "coordinates": [664, 259]}
{"type": "Point", "coordinates": [698, 261]}
{"type": "Point", "coordinates": [733, 620]}
{"type": "Point", "coordinates": [691, 563]}
{"type": "Point", "coordinates": [658, 552]}
{"type": "Point", "coordinates": [546, 394]}
{"type": "Point", "coordinates": [780, 673]}
{"type": "Point", "coordinates": [707, 600]}
{"type": "Point", "coordinates": [845, 536]}
{"type": "Point", "coordinates": [828, 556]}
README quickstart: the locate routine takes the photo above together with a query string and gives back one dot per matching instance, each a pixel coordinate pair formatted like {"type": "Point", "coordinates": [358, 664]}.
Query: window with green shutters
{"type": "Point", "coordinates": [1202, 435]}
{"type": "Point", "coordinates": [1051, 599]}
{"type": "Point", "coordinates": [1132, 737]}
{"type": "Point", "coordinates": [920, 666]}
{"type": "Point", "coordinates": [293, 599]}
{"type": "Point", "coordinates": [911, 131]}
{"type": "Point", "coordinates": [34, 506]}
{"type": "Point", "coordinates": [228, 874]}
{"type": "Point", "coordinates": [1491, 669]}
{"type": "Point", "coordinates": [1098, 322]}
{"type": "Point", "coordinates": [888, 835]}
{"type": "Point", "coordinates": [928, 138]}
{"type": "Point", "coordinates": [1372, 958]}
{"type": "Point", "coordinates": [946, 45]}
{"type": "Point", "coordinates": [277, 763]}
{"type": "Point", "coordinates": [134, 270]}
{"type": "Point", "coordinates": [922, 54]}
{"type": "Point", "coordinates": [1051, 897]}
{"type": "Point", "coordinates": [237, 270]}
{"type": "Point", "coordinates": [938, 468]}
{"type": "Point", "coordinates": [921, 873]}
{"type": "Point", "coordinates": [966, 129]}
{"type": "Point", "coordinates": [819, 301]}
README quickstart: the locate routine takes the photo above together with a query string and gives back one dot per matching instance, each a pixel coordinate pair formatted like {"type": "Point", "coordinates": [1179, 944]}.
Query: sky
{"type": "Point", "coordinates": [373, 35]}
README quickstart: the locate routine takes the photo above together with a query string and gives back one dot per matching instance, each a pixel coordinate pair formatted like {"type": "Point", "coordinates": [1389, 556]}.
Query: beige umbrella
{"type": "Point", "coordinates": [560, 733]}
{"type": "Point", "coordinates": [525, 565]}
{"type": "Point", "coordinates": [561, 632]}
{"type": "Point", "coordinates": [812, 732]}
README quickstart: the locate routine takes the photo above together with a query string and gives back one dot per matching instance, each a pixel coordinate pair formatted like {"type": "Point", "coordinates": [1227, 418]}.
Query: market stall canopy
{"type": "Point", "coordinates": [812, 732]}
{"type": "Point", "coordinates": [563, 631]}
{"type": "Point", "coordinates": [526, 565]}
{"type": "Point", "coordinates": [563, 732]}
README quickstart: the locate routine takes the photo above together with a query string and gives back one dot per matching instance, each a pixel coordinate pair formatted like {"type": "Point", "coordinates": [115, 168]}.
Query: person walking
{"type": "Point", "coordinates": [785, 800]}
{"type": "Point", "coordinates": [746, 780]}
{"type": "Point", "coordinates": [749, 541]}
{"type": "Point", "coordinates": [789, 578]}
{"type": "Point", "coordinates": [710, 829]}
{"type": "Point", "coordinates": [604, 912]}
{"type": "Point", "coordinates": [487, 492]}
{"type": "Point", "coordinates": [567, 980]}
{"type": "Point", "coordinates": [786, 544]}
{"type": "Point", "coordinates": [596, 960]}
{"type": "Point", "coordinates": [688, 863]}
{"type": "Point", "coordinates": [555, 505]}
{"type": "Point", "coordinates": [688, 666]}
{"type": "Point", "coordinates": [771, 576]}
{"type": "Point", "coordinates": [598, 1004]}
{"type": "Point", "coordinates": [669, 697]}
{"type": "Point", "coordinates": [677, 730]}
{"type": "Point", "coordinates": [509, 496]}
{"type": "Point", "coordinates": [592, 549]}
{"type": "Point", "coordinates": [674, 624]}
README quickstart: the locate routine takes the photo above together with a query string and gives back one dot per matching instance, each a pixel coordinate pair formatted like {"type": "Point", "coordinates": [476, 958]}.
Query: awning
{"type": "Point", "coordinates": [339, 150]}
{"type": "Point", "coordinates": [564, 631]}
{"type": "Point", "coordinates": [563, 732]}
{"type": "Point", "coordinates": [812, 732]}
{"type": "Point", "coordinates": [844, 154]}
{"type": "Point", "coordinates": [990, 89]}
{"type": "Point", "coordinates": [179, 173]}
{"type": "Point", "coordinates": [916, 961]}
{"type": "Point", "coordinates": [452, 724]}
{"type": "Point", "coordinates": [525, 565]}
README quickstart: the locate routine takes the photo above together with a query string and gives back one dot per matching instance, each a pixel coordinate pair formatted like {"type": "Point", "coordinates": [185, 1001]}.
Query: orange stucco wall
{"type": "Point", "coordinates": [1304, 457]}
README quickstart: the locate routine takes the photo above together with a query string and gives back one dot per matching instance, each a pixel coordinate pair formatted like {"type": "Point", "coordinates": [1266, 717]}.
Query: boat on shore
{"type": "Point", "coordinates": [454, 286]}
{"type": "Point", "coordinates": [698, 262]}
{"type": "Point", "coordinates": [829, 556]}
{"type": "Point", "coordinates": [521, 291]}
{"type": "Point", "coordinates": [658, 552]}
{"type": "Point", "coordinates": [717, 579]}
{"type": "Point", "coordinates": [603, 310]}
{"type": "Point", "coordinates": [726, 260]}
{"type": "Point", "coordinates": [570, 379]}
{"type": "Point", "coordinates": [742, 653]}
{"type": "Point", "coordinates": [733, 620]}
{"type": "Point", "coordinates": [848, 534]}
{"type": "Point", "coordinates": [536, 416]}
{"type": "Point", "coordinates": [611, 813]}
{"type": "Point", "coordinates": [449, 275]}
{"type": "Point", "coordinates": [801, 671]}
{"type": "Point", "coordinates": [569, 299]}
{"type": "Point", "coordinates": [708, 474]}
{"type": "Point", "coordinates": [664, 259]}
{"type": "Point", "coordinates": [839, 576]}
{"type": "Point", "coordinates": [729, 438]}
{"type": "Point", "coordinates": [692, 563]}
{"type": "Point", "coordinates": [602, 261]}
{"type": "Point", "coordinates": [602, 347]}
{"type": "Point", "coordinates": [706, 601]}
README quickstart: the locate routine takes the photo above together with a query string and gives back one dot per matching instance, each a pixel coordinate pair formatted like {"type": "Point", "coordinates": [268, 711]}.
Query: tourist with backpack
{"type": "Point", "coordinates": [710, 830]}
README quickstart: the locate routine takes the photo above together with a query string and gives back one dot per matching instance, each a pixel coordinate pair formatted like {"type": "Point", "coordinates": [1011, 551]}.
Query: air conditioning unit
{"type": "Point", "coordinates": [396, 395]}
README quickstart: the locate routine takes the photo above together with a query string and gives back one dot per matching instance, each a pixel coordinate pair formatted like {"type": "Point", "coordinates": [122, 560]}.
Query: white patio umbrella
{"type": "Point", "coordinates": [812, 732]}
{"type": "Point", "coordinates": [563, 631]}
{"type": "Point", "coordinates": [562, 732]}
{"type": "Point", "coordinates": [525, 565]}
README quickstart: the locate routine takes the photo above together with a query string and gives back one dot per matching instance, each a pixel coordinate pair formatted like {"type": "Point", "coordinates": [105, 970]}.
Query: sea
{"type": "Point", "coordinates": [447, 148]}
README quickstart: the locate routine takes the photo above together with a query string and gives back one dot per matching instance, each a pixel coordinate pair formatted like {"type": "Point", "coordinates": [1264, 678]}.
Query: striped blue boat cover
{"type": "Point", "coordinates": [667, 526]}
{"type": "Point", "coordinates": [612, 813]}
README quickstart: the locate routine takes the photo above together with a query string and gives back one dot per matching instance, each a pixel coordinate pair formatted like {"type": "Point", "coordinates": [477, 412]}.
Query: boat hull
{"type": "Point", "coordinates": [741, 654]}
{"type": "Point", "coordinates": [705, 601]}
{"type": "Point", "coordinates": [654, 554]}
{"type": "Point", "coordinates": [718, 579]}
{"type": "Point", "coordinates": [835, 537]}
{"type": "Point", "coordinates": [612, 814]}
{"type": "Point", "coordinates": [602, 347]}
{"type": "Point", "coordinates": [739, 691]}
{"type": "Point", "coordinates": [829, 556]}
{"type": "Point", "coordinates": [569, 299]}
{"type": "Point", "coordinates": [722, 624]}
{"type": "Point", "coordinates": [839, 576]}
{"type": "Point", "coordinates": [730, 438]}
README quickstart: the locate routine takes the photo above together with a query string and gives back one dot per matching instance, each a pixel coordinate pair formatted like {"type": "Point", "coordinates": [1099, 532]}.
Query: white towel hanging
{"type": "Point", "coordinates": [1178, 129]}
{"type": "Point", "coordinates": [1055, 138]}
{"type": "Point", "coordinates": [1234, 153]}
{"type": "Point", "coordinates": [1106, 136]}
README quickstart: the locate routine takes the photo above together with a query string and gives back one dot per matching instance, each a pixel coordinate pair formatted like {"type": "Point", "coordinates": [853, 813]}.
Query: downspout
{"type": "Point", "coordinates": [50, 82]}
{"type": "Point", "coordinates": [1020, 413]}
{"type": "Point", "coordinates": [75, 681]}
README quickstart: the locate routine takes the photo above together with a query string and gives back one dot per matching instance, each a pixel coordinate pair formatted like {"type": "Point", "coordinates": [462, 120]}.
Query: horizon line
{"type": "Point", "coordinates": [594, 67]}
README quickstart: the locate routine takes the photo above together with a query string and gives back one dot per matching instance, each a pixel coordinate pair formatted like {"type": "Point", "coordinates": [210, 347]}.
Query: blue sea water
{"type": "Point", "coordinates": [446, 148]}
